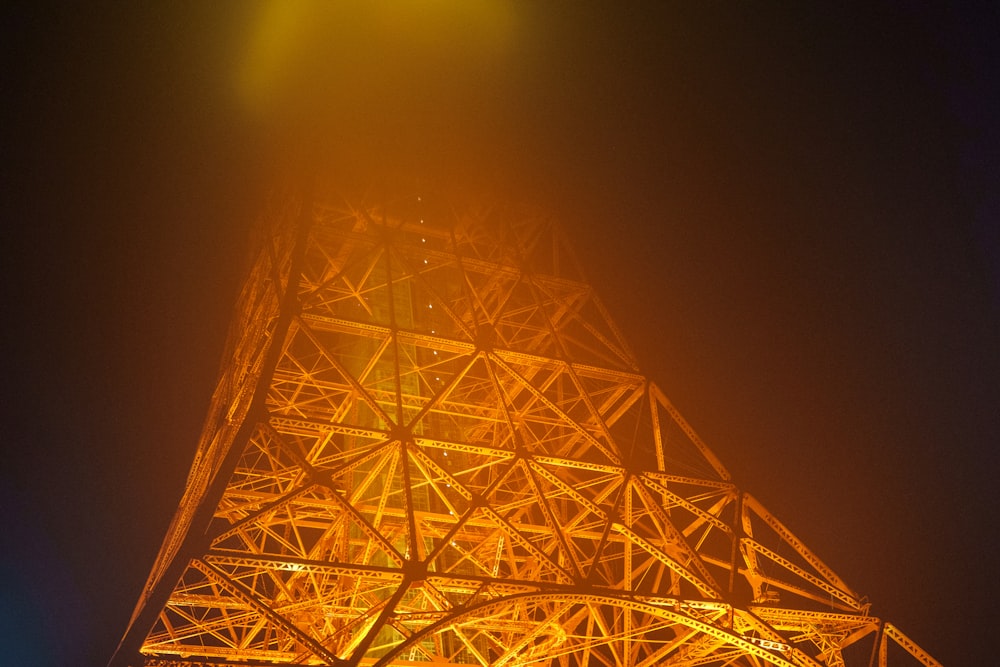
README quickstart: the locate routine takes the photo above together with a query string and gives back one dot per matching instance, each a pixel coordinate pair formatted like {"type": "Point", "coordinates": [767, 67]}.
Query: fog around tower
{"type": "Point", "coordinates": [789, 212]}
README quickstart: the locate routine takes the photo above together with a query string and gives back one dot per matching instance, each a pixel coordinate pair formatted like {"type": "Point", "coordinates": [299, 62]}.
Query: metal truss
{"type": "Point", "coordinates": [430, 444]}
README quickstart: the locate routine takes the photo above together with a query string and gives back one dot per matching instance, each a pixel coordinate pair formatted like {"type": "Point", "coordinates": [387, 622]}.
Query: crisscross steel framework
{"type": "Point", "coordinates": [430, 444]}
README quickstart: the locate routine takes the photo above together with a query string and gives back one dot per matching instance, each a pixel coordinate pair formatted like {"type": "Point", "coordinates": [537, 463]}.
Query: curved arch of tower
{"type": "Point", "coordinates": [430, 444]}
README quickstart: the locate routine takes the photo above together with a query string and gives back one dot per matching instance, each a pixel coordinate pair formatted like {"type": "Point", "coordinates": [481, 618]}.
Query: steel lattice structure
{"type": "Point", "coordinates": [430, 444]}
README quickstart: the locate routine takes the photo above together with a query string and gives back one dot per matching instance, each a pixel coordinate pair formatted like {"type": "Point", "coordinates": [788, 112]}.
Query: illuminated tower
{"type": "Point", "coordinates": [430, 444]}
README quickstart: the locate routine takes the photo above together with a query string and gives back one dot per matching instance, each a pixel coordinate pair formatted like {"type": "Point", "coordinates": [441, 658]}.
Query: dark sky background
{"type": "Point", "coordinates": [793, 214]}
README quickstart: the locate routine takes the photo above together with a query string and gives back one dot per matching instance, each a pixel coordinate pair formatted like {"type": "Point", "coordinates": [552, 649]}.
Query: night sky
{"type": "Point", "coordinates": [793, 214]}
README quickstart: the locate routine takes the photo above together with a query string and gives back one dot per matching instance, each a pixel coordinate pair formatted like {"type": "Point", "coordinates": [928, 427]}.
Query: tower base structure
{"type": "Point", "coordinates": [430, 444]}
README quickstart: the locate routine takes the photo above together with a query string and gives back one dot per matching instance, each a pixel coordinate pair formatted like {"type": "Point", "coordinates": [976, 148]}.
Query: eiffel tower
{"type": "Point", "coordinates": [429, 444]}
